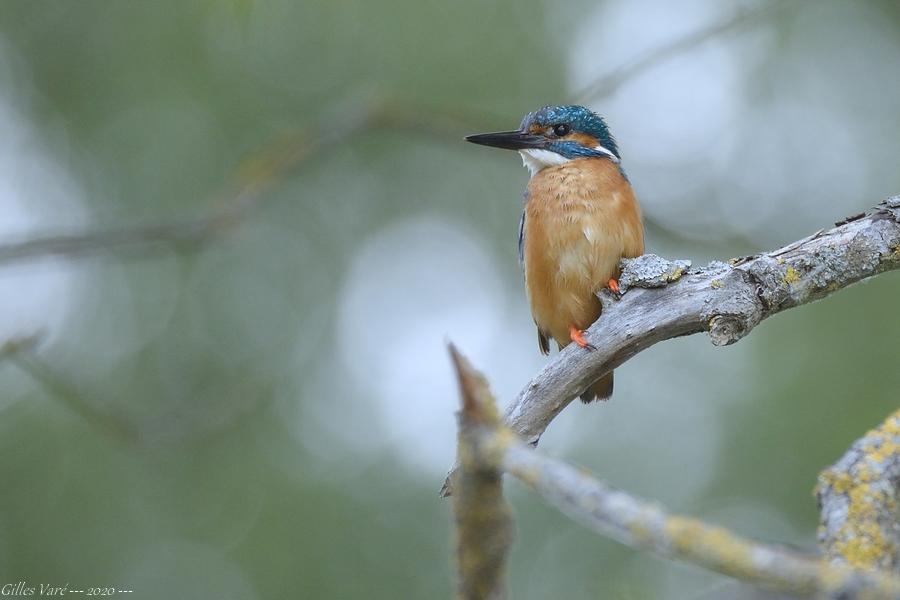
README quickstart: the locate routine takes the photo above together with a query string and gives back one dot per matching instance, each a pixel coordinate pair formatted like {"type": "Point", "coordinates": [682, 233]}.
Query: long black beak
{"type": "Point", "coordinates": [510, 140]}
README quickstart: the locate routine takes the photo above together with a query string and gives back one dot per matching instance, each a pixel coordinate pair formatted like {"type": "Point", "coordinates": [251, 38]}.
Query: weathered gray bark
{"type": "Point", "coordinates": [727, 300]}
{"type": "Point", "coordinates": [487, 447]}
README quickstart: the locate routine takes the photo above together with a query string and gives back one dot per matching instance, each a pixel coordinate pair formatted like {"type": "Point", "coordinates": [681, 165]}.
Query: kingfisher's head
{"type": "Point", "coordinates": [554, 135]}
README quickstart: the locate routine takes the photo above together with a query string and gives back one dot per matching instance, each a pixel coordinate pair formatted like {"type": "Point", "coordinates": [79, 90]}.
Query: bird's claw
{"type": "Point", "coordinates": [577, 336]}
{"type": "Point", "coordinates": [613, 286]}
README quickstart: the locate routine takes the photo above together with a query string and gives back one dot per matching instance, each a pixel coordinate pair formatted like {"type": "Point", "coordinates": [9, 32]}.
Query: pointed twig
{"type": "Point", "coordinates": [638, 523]}
{"type": "Point", "coordinates": [483, 518]}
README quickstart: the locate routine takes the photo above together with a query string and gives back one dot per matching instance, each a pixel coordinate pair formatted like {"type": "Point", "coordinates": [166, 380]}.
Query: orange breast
{"type": "Point", "coordinates": [581, 218]}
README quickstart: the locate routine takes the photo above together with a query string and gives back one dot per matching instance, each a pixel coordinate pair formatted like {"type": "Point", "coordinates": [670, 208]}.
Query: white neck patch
{"type": "Point", "coordinates": [536, 159]}
{"type": "Point", "coordinates": [607, 152]}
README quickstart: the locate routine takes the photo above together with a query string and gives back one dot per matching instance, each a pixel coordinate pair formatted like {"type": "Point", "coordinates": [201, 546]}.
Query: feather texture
{"type": "Point", "coordinates": [581, 218]}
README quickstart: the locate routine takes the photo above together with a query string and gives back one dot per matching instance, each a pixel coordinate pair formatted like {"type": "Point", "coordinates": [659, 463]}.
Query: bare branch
{"type": "Point", "coordinates": [606, 85]}
{"type": "Point", "coordinates": [483, 517]}
{"type": "Point", "coordinates": [859, 498]}
{"type": "Point", "coordinates": [636, 522]}
{"type": "Point", "coordinates": [17, 345]}
{"type": "Point", "coordinates": [136, 239]}
{"type": "Point", "coordinates": [255, 176]}
{"type": "Point", "coordinates": [286, 154]}
{"type": "Point", "coordinates": [641, 524]}
{"type": "Point", "coordinates": [19, 351]}
{"type": "Point", "coordinates": [726, 300]}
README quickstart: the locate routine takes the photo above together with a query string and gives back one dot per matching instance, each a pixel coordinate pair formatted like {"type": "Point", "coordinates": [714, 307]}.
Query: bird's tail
{"type": "Point", "coordinates": [601, 389]}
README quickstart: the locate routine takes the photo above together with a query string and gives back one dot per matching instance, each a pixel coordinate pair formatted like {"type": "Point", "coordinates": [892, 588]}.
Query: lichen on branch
{"type": "Point", "coordinates": [489, 447]}
{"type": "Point", "coordinates": [859, 499]}
{"type": "Point", "coordinates": [725, 299]}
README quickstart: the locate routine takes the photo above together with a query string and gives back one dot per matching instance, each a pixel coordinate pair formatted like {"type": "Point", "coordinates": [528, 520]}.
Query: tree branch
{"type": "Point", "coordinates": [726, 300]}
{"type": "Point", "coordinates": [644, 525]}
{"type": "Point", "coordinates": [483, 517]}
{"type": "Point", "coordinates": [859, 499]}
{"type": "Point", "coordinates": [254, 177]}
{"type": "Point", "coordinates": [19, 351]}
{"type": "Point", "coordinates": [606, 85]}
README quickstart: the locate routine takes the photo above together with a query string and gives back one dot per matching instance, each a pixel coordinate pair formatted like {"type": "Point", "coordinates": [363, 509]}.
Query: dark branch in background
{"type": "Point", "coordinates": [18, 345]}
{"type": "Point", "coordinates": [483, 518]}
{"type": "Point", "coordinates": [20, 352]}
{"type": "Point", "coordinates": [641, 524]}
{"type": "Point", "coordinates": [606, 85]}
{"type": "Point", "coordinates": [726, 300]}
{"type": "Point", "coordinates": [109, 418]}
{"type": "Point", "coordinates": [859, 500]}
{"type": "Point", "coordinates": [256, 176]}
{"type": "Point", "coordinates": [283, 157]}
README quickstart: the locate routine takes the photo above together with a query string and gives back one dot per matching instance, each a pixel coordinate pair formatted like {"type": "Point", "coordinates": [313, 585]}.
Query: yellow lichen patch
{"type": "Point", "coordinates": [716, 284]}
{"type": "Point", "coordinates": [791, 275]}
{"type": "Point", "coordinates": [839, 482]}
{"type": "Point", "coordinates": [895, 254]}
{"type": "Point", "coordinates": [892, 425]}
{"type": "Point", "coordinates": [884, 451]}
{"type": "Point", "coordinates": [640, 532]}
{"type": "Point", "coordinates": [862, 539]}
{"type": "Point", "coordinates": [863, 547]}
{"type": "Point", "coordinates": [863, 502]}
{"type": "Point", "coordinates": [864, 473]}
{"type": "Point", "coordinates": [716, 545]}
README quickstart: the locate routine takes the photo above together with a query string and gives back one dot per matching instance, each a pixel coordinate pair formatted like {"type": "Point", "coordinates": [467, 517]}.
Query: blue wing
{"type": "Point", "coordinates": [543, 341]}
{"type": "Point", "coordinates": [522, 230]}
{"type": "Point", "coordinates": [522, 239]}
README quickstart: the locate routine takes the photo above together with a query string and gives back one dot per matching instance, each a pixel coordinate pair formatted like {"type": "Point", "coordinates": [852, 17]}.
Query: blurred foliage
{"type": "Point", "coordinates": [254, 465]}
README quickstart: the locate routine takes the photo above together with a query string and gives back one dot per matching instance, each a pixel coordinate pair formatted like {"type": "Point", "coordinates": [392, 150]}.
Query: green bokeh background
{"type": "Point", "coordinates": [224, 361]}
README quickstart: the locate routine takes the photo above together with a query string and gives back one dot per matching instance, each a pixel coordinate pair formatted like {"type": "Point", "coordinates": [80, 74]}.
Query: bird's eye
{"type": "Point", "coordinates": [561, 129]}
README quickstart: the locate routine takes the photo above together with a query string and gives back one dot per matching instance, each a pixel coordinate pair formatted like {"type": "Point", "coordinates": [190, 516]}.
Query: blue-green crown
{"type": "Point", "coordinates": [579, 119]}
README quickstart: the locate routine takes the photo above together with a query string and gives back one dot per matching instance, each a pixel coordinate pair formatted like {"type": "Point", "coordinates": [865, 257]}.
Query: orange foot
{"type": "Point", "coordinates": [613, 285]}
{"type": "Point", "coordinates": [577, 336]}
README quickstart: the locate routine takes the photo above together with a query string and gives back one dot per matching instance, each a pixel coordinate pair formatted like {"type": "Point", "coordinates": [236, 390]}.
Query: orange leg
{"type": "Point", "coordinates": [613, 285]}
{"type": "Point", "coordinates": [577, 336]}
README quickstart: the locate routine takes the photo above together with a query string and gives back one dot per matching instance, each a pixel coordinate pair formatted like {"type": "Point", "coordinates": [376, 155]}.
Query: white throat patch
{"type": "Point", "coordinates": [536, 159]}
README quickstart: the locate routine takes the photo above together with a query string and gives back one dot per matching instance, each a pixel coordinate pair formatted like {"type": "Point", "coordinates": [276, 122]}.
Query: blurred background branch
{"type": "Point", "coordinates": [246, 236]}
{"type": "Point", "coordinates": [743, 18]}
{"type": "Point", "coordinates": [636, 522]}
{"type": "Point", "coordinates": [20, 352]}
{"type": "Point", "coordinates": [859, 501]}
{"type": "Point", "coordinates": [255, 177]}
{"type": "Point", "coordinates": [261, 171]}
{"type": "Point", "coordinates": [725, 300]}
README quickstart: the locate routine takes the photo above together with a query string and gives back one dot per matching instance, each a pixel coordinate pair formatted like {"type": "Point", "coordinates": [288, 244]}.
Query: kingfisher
{"type": "Point", "coordinates": [580, 219]}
